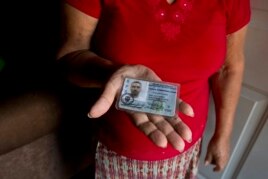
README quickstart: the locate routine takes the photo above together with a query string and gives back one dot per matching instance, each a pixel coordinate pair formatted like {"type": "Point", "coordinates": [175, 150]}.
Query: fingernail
{"type": "Point", "coordinates": [206, 163]}
{"type": "Point", "coordinates": [189, 141]}
{"type": "Point", "coordinates": [192, 113]}
{"type": "Point", "coordinates": [162, 146]}
{"type": "Point", "coordinates": [89, 116]}
{"type": "Point", "coordinates": [180, 149]}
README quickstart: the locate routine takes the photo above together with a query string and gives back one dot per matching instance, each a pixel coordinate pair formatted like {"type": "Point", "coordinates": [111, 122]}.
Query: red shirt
{"type": "Point", "coordinates": [183, 43]}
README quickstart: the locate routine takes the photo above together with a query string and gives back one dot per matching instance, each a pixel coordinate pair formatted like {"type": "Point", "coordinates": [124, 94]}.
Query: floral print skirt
{"type": "Point", "coordinates": [110, 165]}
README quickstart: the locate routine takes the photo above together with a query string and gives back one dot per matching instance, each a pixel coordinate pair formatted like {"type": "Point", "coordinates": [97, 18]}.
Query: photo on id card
{"type": "Point", "coordinates": [151, 97]}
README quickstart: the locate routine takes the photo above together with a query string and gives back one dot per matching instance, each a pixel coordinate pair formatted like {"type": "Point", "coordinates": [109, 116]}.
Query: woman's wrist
{"type": "Point", "coordinates": [222, 136]}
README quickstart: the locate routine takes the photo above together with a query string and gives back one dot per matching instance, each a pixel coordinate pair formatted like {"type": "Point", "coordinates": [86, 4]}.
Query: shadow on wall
{"type": "Point", "coordinates": [29, 37]}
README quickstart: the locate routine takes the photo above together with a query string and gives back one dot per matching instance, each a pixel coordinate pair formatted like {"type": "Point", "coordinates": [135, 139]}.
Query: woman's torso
{"type": "Point", "coordinates": [183, 43]}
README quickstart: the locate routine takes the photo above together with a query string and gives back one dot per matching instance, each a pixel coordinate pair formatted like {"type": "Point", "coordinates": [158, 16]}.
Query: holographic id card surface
{"type": "Point", "coordinates": [149, 97]}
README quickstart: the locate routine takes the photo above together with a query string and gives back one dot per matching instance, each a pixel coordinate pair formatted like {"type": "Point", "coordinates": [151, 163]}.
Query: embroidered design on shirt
{"type": "Point", "coordinates": [171, 17]}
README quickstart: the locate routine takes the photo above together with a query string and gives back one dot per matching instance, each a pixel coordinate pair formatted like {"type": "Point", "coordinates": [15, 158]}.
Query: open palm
{"type": "Point", "coordinates": [159, 129]}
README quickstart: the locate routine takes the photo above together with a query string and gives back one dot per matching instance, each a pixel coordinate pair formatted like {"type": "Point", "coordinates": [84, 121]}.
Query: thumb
{"type": "Point", "coordinates": [100, 107]}
{"type": "Point", "coordinates": [107, 98]}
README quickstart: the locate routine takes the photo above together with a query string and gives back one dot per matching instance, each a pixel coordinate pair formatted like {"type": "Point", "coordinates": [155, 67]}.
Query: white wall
{"type": "Point", "coordinates": [256, 49]}
{"type": "Point", "coordinates": [256, 77]}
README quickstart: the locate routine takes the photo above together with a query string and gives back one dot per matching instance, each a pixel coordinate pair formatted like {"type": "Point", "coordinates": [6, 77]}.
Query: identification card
{"type": "Point", "coordinates": [149, 97]}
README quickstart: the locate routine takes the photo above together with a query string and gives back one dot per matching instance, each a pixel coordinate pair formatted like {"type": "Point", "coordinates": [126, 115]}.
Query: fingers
{"type": "Point", "coordinates": [185, 108]}
{"type": "Point", "coordinates": [176, 141]}
{"type": "Point", "coordinates": [170, 1]}
{"type": "Point", "coordinates": [208, 159]}
{"type": "Point", "coordinates": [106, 99]}
{"type": "Point", "coordinates": [149, 129]}
{"type": "Point", "coordinates": [162, 131]}
{"type": "Point", "coordinates": [158, 138]}
{"type": "Point", "coordinates": [217, 168]}
{"type": "Point", "coordinates": [215, 159]}
{"type": "Point", "coordinates": [172, 136]}
{"type": "Point", "coordinates": [219, 163]}
{"type": "Point", "coordinates": [162, 124]}
{"type": "Point", "coordinates": [181, 128]}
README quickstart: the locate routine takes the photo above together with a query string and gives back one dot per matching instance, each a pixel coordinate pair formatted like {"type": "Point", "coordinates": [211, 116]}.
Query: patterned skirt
{"type": "Point", "coordinates": [110, 165]}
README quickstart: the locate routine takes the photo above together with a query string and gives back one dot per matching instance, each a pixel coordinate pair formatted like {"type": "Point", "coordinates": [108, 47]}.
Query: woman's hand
{"type": "Point", "coordinates": [218, 153]}
{"type": "Point", "coordinates": [157, 128]}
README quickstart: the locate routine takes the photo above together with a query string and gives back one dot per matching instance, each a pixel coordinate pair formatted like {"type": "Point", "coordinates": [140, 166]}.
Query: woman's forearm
{"type": "Point", "coordinates": [85, 69]}
{"type": "Point", "coordinates": [226, 86]}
